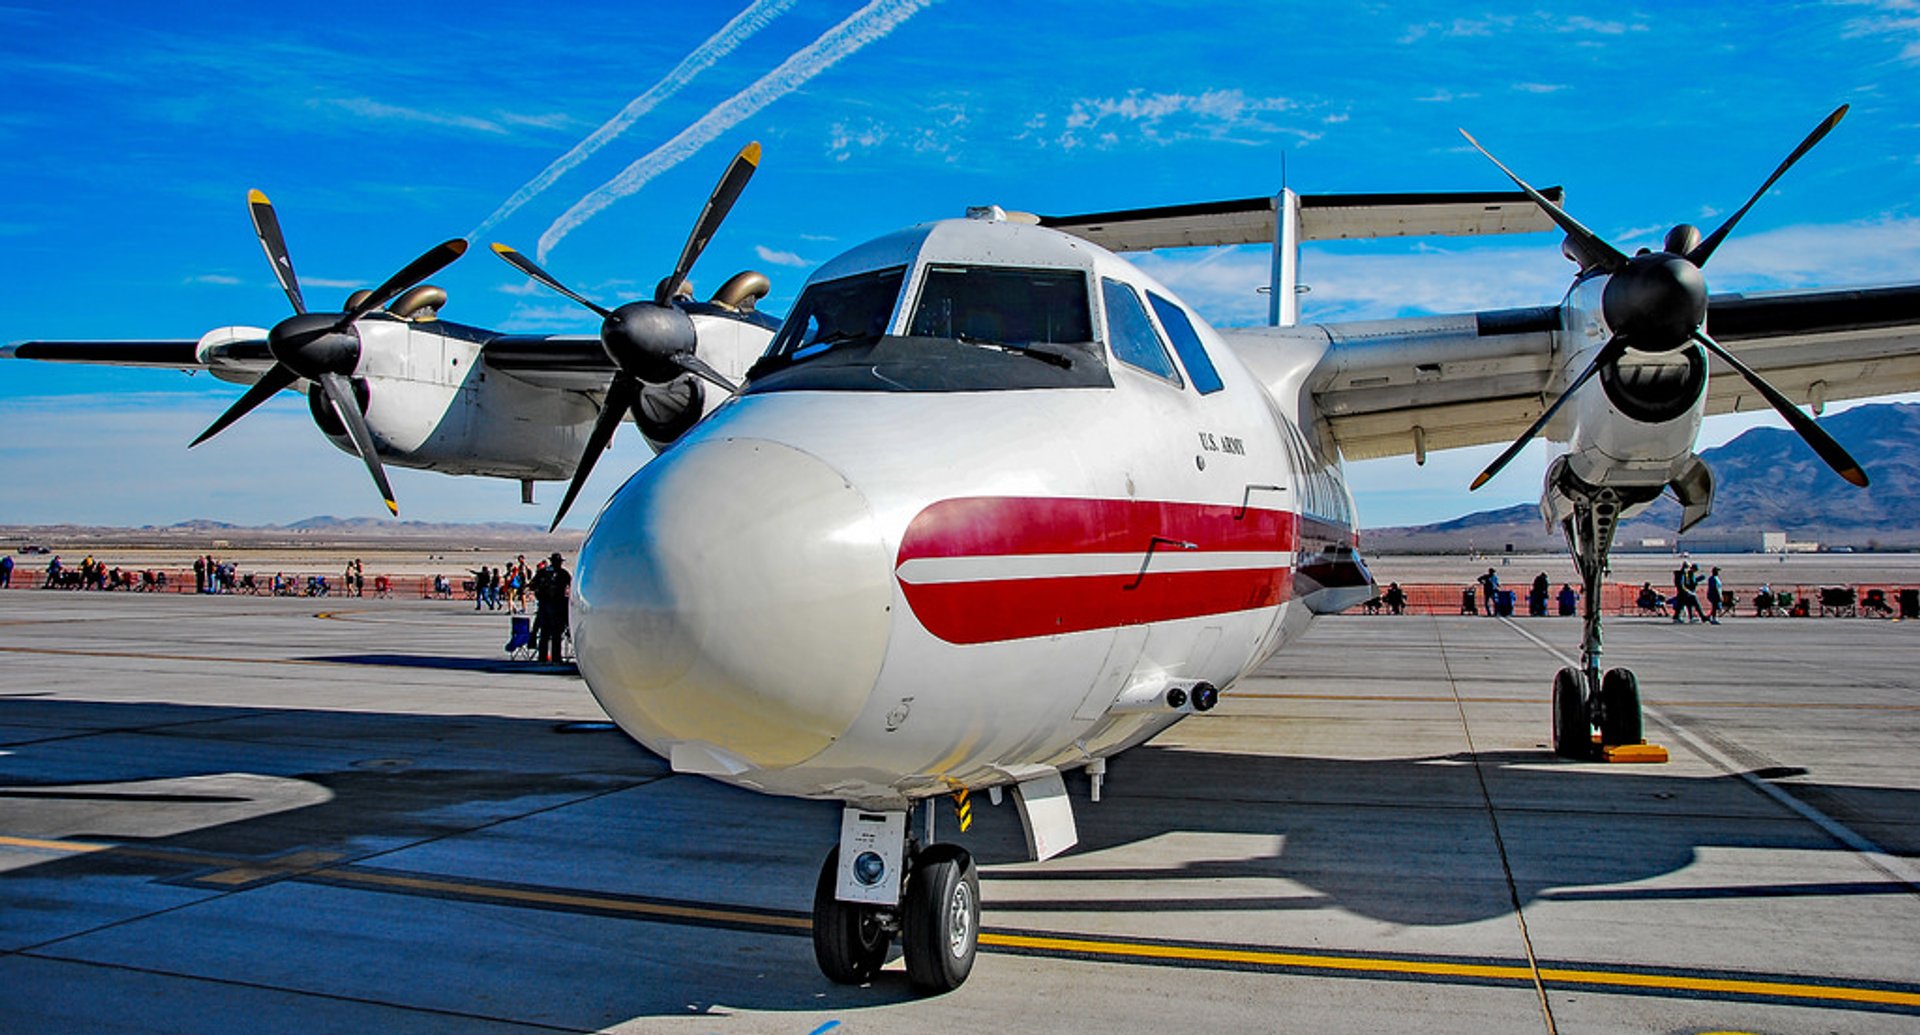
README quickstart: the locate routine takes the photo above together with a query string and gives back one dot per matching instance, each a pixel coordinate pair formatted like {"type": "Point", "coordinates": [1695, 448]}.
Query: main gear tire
{"type": "Point", "coordinates": [940, 922]}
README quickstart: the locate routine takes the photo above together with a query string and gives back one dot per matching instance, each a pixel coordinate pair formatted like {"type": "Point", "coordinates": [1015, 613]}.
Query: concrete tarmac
{"type": "Point", "coordinates": [245, 814]}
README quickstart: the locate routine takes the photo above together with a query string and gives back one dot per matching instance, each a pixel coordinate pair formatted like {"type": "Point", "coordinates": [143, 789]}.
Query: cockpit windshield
{"type": "Point", "coordinates": [973, 328]}
{"type": "Point", "coordinates": [849, 309]}
{"type": "Point", "coordinates": [1012, 307]}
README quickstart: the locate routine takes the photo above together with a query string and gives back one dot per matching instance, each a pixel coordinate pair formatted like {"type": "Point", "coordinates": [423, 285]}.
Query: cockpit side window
{"type": "Point", "coordinates": [856, 308]}
{"type": "Point", "coordinates": [1003, 306]}
{"type": "Point", "coordinates": [1131, 334]}
{"type": "Point", "coordinates": [1186, 342]}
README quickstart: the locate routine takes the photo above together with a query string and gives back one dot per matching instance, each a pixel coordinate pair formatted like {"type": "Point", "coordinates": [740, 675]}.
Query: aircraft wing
{"type": "Point", "coordinates": [570, 362]}
{"type": "Point", "coordinates": [172, 355]}
{"type": "Point", "coordinates": [1817, 347]}
{"type": "Point", "coordinates": [237, 354]}
{"type": "Point", "coordinates": [1395, 387]}
{"type": "Point", "coordinates": [1389, 387]}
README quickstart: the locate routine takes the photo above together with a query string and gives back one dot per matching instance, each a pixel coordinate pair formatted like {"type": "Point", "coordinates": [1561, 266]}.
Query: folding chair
{"type": "Point", "coordinates": [520, 645]}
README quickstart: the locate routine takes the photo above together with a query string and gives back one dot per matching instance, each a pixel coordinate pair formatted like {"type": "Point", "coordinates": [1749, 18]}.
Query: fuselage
{"type": "Point", "coordinates": [991, 488]}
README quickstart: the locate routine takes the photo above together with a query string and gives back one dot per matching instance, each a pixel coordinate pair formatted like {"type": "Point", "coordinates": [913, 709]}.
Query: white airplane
{"type": "Point", "coordinates": [993, 504]}
{"type": "Point", "coordinates": [400, 385]}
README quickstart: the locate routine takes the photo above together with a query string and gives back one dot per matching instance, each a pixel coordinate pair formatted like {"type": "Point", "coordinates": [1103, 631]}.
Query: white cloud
{"type": "Point", "coordinates": [1168, 118]}
{"type": "Point", "coordinates": [938, 133]}
{"type": "Point", "coordinates": [1853, 254]}
{"type": "Point", "coordinates": [221, 279]}
{"type": "Point", "coordinates": [1593, 26]}
{"type": "Point", "coordinates": [779, 258]}
{"type": "Point", "coordinates": [1899, 19]}
{"type": "Point", "coordinates": [564, 318]}
{"type": "Point", "coordinates": [522, 288]}
{"type": "Point", "coordinates": [368, 108]}
{"type": "Point", "coordinates": [1226, 286]}
{"type": "Point", "coordinates": [847, 136]}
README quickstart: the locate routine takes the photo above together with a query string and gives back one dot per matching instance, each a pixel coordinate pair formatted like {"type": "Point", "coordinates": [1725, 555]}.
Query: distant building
{"type": "Point", "coordinates": [1743, 542]}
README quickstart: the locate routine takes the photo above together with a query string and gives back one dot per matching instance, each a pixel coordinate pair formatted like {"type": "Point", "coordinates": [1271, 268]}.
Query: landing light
{"type": "Point", "coordinates": [868, 868]}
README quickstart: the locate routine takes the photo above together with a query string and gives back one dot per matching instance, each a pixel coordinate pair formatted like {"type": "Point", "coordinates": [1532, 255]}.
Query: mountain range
{"type": "Point", "coordinates": [1766, 480]}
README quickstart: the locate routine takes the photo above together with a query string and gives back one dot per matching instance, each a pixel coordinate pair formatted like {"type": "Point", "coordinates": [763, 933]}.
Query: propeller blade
{"type": "Point", "coordinates": [1589, 243]}
{"type": "Point", "coordinates": [1608, 353]}
{"type": "Point", "coordinates": [1836, 457]}
{"type": "Point", "coordinates": [719, 203]}
{"type": "Point", "coordinates": [621, 395]}
{"type": "Point", "coordinates": [527, 266]}
{"type": "Point", "coordinates": [277, 377]}
{"type": "Point", "coordinates": [267, 226]}
{"type": "Point", "coordinates": [341, 393]}
{"type": "Point", "coordinates": [433, 261]}
{"type": "Point", "coordinates": [698, 367]}
{"type": "Point", "coordinates": [1698, 256]}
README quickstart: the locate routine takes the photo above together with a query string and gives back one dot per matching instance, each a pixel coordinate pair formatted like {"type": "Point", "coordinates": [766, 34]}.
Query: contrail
{"type": "Point", "coordinates": [717, 46]}
{"type": "Point", "coordinates": [864, 26]}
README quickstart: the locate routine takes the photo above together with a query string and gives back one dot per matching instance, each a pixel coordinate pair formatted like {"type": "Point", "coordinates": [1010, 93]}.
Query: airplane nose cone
{"type": "Point", "coordinates": [734, 594]}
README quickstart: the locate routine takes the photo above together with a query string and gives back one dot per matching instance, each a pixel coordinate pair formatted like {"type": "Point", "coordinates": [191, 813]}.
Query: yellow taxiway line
{"type": "Point", "coordinates": [301, 866]}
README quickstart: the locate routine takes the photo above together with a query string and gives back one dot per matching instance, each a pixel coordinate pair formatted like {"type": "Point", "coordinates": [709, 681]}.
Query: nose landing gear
{"type": "Point", "coordinates": [931, 903]}
{"type": "Point", "coordinates": [1584, 700]}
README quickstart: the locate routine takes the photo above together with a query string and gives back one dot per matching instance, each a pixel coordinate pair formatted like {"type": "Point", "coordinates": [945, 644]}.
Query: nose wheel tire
{"type": "Point", "coordinates": [1620, 721]}
{"type": "Point", "coordinates": [941, 921]}
{"type": "Point", "coordinates": [1572, 731]}
{"type": "Point", "coordinates": [849, 941]}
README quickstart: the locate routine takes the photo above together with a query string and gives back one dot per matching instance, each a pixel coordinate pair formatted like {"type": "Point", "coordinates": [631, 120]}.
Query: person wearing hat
{"type": "Point", "coordinates": [550, 588]}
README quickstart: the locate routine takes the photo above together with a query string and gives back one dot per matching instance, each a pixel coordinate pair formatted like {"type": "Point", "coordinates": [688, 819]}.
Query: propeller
{"type": "Point", "coordinates": [323, 347]}
{"type": "Point", "coordinates": [1656, 302]}
{"type": "Point", "coordinates": [651, 342]}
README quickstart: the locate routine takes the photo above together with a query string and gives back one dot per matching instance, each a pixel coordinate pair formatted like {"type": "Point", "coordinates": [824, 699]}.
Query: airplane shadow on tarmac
{"type": "Point", "coordinates": [539, 840]}
{"type": "Point", "coordinates": [451, 663]}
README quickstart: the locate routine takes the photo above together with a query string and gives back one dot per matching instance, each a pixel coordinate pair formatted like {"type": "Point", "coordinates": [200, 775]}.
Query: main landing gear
{"type": "Point", "coordinates": [1584, 700]}
{"type": "Point", "coordinates": [929, 897]}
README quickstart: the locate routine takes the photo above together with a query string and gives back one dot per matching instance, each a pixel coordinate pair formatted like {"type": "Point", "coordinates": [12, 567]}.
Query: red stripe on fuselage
{"type": "Point", "coordinates": [990, 610]}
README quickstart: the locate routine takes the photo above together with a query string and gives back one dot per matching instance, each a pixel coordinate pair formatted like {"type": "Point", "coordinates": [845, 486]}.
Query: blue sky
{"type": "Point", "coordinates": [133, 132]}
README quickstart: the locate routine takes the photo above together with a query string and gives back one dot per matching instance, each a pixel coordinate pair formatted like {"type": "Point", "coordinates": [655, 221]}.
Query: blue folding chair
{"type": "Point", "coordinates": [520, 644]}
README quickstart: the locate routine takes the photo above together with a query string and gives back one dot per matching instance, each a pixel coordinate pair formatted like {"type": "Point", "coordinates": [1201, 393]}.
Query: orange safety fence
{"type": "Point", "coordinates": [1622, 598]}
{"type": "Point", "coordinates": [1617, 598]}
{"type": "Point", "coordinates": [293, 583]}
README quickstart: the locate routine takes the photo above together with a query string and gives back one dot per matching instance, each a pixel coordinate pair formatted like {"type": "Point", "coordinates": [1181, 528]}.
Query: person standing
{"type": "Point", "coordinates": [1687, 583]}
{"type": "Point", "coordinates": [6, 571]}
{"type": "Point", "coordinates": [551, 587]}
{"type": "Point", "coordinates": [1490, 590]}
{"type": "Point", "coordinates": [1714, 596]}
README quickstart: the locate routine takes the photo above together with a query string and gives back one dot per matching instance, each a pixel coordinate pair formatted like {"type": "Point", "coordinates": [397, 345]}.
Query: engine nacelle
{"type": "Point", "coordinates": [1634, 423]}
{"type": "Point", "coordinates": [731, 337]}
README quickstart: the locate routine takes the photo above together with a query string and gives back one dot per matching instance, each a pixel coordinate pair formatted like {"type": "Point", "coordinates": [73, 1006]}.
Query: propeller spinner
{"type": "Point", "coordinates": [324, 347]}
{"type": "Point", "coordinates": [651, 342]}
{"type": "Point", "coordinates": [1657, 301]}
